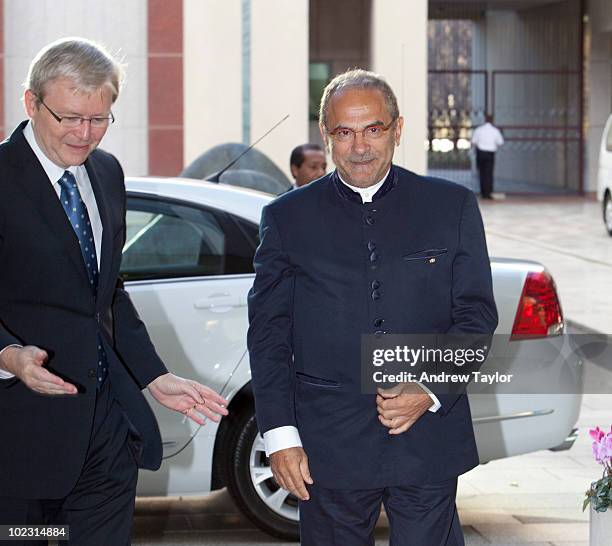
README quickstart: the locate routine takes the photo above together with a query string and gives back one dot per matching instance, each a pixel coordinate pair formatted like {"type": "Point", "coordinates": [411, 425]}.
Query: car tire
{"type": "Point", "coordinates": [254, 489]}
{"type": "Point", "coordinates": [607, 212]}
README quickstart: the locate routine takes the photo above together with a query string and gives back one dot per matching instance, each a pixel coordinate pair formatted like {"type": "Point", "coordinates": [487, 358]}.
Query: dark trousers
{"type": "Point", "coordinates": [423, 515]}
{"type": "Point", "coordinates": [100, 508]}
{"type": "Point", "coordinates": [485, 161]}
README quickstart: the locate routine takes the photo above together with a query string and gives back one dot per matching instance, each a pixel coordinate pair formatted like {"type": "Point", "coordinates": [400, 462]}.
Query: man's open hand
{"type": "Point", "coordinates": [291, 472]}
{"type": "Point", "coordinates": [401, 406]}
{"type": "Point", "coordinates": [188, 397]}
{"type": "Point", "coordinates": [27, 364]}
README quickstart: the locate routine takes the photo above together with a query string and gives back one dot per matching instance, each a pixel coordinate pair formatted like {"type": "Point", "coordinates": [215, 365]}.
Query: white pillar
{"type": "Point", "coordinates": [279, 76]}
{"type": "Point", "coordinates": [599, 84]}
{"type": "Point", "coordinates": [212, 90]}
{"type": "Point", "coordinates": [399, 53]}
{"type": "Point", "coordinates": [31, 24]}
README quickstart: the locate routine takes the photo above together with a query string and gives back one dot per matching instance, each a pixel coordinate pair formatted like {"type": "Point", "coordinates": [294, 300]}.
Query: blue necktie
{"type": "Point", "coordinates": [79, 218]}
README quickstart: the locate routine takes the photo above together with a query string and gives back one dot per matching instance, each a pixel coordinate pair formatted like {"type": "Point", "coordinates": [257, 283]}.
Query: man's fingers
{"type": "Point", "coordinates": [195, 416]}
{"type": "Point", "coordinates": [389, 393]}
{"type": "Point", "coordinates": [39, 357]}
{"type": "Point", "coordinates": [390, 413]}
{"type": "Point", "coordinates": [288, 474]}
{"type": "Point", "coordinates": [297, 482]}
{"type": "Point", "coordinates": [403, 428]}
{"type": "Point", "coordinates": [388, 403]}
{"type": "Point", "coordinates": [212, 407]}
{"type": "Point", "coordinates": [387, 422]}
{"type": "Point", "coordinates": [212, 415]}
{"type": "Point", "coordinates": [305, 471]}
{"type": "Point", "coordinates": [42, 380]}
{"type": "Point", "coordinates": [189, 389]}
{"type": "Point", "coordinates": [211, 397]}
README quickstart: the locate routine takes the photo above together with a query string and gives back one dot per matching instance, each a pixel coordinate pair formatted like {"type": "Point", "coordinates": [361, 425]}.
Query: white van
{"type": "Point", "coordinates": [604, 175]}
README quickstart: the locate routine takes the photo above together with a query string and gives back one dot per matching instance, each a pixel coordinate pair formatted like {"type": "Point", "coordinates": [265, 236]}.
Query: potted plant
{"type": "Point", "coordinates": [599, 495]}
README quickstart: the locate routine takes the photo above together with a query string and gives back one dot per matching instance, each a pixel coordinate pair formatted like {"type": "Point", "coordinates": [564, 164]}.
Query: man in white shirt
{"type": "Point", "coordinates": [486, 139]}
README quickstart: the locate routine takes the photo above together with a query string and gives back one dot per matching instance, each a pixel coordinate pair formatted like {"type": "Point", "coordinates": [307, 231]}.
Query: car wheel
{"type": "Point", "coordinates": [607, 212]}
{"type": "Point", "coordinates": [253, 487]}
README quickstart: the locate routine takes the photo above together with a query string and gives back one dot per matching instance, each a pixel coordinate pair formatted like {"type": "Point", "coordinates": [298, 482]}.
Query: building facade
{"type": "Point", "coordinates": [206, 72]}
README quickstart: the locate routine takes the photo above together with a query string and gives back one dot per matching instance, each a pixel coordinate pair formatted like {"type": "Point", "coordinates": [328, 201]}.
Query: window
{"type": "Point", "coordinates": [169, 240]}
{"type": "Point", "coordinates": [319, 77]}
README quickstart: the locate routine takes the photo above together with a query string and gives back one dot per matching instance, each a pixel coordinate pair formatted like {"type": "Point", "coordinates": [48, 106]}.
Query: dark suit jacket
{"type": "Point", "coordinates": [322, 255]}
{"type": "Point", "coordinates": [46, 300]}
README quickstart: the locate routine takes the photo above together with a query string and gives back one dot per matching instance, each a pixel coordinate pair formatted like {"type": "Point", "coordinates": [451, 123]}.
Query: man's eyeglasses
{"type": "Point", "coordinates": [371, 132]}
{"type": "Point", "coordinates": [76, 121]}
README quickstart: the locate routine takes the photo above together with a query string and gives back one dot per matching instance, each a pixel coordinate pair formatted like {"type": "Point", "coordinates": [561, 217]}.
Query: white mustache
{"type": "Point", "coordinates": [361, 158]}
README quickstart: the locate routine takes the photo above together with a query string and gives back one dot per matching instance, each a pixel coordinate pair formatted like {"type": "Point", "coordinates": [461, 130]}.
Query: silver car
{"type": "Point", "coordinates": [187, 264]}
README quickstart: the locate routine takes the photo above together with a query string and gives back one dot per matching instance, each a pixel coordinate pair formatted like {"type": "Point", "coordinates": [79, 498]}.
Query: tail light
{"type": "Point", "coordinates": [539, 311]}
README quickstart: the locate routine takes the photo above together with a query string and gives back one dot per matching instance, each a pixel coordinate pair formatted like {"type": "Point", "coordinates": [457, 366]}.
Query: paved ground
{"type": "Point", "coordinates": [531, 500]}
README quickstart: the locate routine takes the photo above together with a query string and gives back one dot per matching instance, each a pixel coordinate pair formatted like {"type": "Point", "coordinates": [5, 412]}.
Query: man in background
{"type": "Point", "coordinates": [486, 139]}
{"type": "Point", "coordinates": [307, 163]}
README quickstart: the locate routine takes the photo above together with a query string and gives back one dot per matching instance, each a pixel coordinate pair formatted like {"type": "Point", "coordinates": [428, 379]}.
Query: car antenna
{"type": "Point", "coordinates": [215, 177]}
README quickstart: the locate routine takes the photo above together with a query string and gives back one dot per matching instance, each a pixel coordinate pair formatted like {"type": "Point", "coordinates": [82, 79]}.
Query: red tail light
{"type": "Point", "coordinates": [539, 311]}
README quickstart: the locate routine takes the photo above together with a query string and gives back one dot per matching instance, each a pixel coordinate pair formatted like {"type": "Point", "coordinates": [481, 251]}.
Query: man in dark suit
{"type": "Point", "coordinates": [390, 252]}
{"type": "Point", "coordinates": [74, 354]}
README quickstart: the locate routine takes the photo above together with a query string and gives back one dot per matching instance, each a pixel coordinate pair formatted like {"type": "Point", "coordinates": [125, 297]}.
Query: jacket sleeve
{"type": "Point", "coordinates": [473, 306]}
{"type": "Point", "coordinates": [131, 339]}
{"type": "Point", "coordinates": [269, 337]}
{"type": "Point", "coordinates": [132, 342]}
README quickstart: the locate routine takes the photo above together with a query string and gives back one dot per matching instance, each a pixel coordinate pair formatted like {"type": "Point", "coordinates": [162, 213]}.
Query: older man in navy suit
{"type": "Point", "coordinates": [368, 249]}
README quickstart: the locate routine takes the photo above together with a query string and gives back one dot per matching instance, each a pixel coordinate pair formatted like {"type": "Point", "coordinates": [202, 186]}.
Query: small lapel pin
{"type": "Point", "coordinates": [432, 260]}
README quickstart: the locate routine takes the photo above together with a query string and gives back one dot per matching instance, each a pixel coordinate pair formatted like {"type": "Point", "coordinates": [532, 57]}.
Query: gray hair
{"type": "Point", "coordinates": [357, 79]}
{"type": "Point", "coordinates": [88, 64]}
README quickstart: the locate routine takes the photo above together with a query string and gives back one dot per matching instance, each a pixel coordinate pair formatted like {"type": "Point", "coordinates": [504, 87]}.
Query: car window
{"type": "Point", "coordinates": [250, 231]}
{"type": "Point", "coordinates": [166, 240]}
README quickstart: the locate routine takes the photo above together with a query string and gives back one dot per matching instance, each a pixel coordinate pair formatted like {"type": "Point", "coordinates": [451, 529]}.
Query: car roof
{"type": "Point", "coordinates": [247, 203]}
{"type": "Point", "coordinates": [243, 202]}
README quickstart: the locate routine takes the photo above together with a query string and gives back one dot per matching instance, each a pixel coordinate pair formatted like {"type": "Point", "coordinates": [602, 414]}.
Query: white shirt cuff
{"type": "Point", "coordinates": [281, 438]}
{"type": "Point", "coordinates": [436, 403]}
{"type": "Point", "coordinates": [3, 373]}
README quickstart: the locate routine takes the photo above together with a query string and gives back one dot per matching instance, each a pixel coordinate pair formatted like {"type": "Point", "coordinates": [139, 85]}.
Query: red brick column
{"type": "Point", "coordinates": [165, 100]}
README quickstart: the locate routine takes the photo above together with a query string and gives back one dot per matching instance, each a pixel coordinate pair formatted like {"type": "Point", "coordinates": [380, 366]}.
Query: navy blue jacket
{"type": "Point", "coordinates": [329, 269]}
{"type": "Point", "coordinates": [46, 300]}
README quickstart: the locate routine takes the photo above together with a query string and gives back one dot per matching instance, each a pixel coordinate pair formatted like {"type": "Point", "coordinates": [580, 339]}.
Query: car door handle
{"type": "Point", "coordinates": [219, 302]}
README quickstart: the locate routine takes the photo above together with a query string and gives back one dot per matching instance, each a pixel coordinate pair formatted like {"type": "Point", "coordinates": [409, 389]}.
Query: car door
{"type": "Point", "coordinates": [188, 269]}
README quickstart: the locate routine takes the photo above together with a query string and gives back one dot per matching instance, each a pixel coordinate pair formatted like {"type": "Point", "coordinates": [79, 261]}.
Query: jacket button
{"type": "Point", "coordinates": [379, 333]}
{"type": "Point", "coordinates": [91, 374]}
{"type": "Point", "coordinates": [371, 245]}
{"type": "Point", "coordinates": [369, 220]}
{"type": "Point", "coordinates": [373, 257]}
{"type": "Point", "coordinates": [375, 284]}
{"type": "Point", "coordinates": [376, 295]}
{"type": "Point", "coordinates": [378, 322]}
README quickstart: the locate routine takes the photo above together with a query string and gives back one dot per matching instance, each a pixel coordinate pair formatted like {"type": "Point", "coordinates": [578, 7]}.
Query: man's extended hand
{"type": "Point", "coordinates": [401, 406]}
{"type": "Point", "coordinates": [291, 472]}
{"type": "Point", "coordinates": [27, 364]}
{"type": "Point", "coordinates": [185, 396]}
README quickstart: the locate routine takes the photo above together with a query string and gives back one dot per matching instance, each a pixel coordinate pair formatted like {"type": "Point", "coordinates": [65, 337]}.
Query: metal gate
{"type": "Point", "coordinates": [522, 64]}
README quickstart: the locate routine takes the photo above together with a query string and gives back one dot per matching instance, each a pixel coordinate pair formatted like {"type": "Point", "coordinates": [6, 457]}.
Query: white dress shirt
{"type": "Point", "coordinates": [289, 436]}
{"type": "Point", "coordinates": [487, 138]}
{"type": "Point", "coordinates": [54, 173]}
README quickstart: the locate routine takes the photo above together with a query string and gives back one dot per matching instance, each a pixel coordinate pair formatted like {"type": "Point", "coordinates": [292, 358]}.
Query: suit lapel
{"type": "Point", "coordinates": [35, 183]}
{"type": "Point", "coordinates": [103, 209]}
